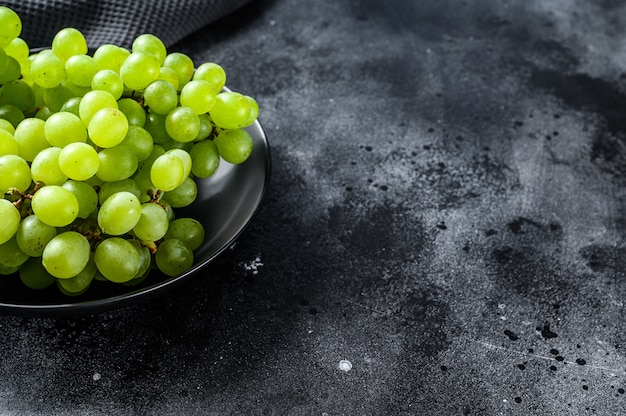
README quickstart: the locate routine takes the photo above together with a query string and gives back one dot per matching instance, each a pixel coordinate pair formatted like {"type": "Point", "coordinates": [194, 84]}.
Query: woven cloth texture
{"type": "Point", "coordinates": [117, 21]}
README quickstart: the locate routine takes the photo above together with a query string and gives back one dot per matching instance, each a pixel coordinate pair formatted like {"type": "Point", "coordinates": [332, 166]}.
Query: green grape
{"type": "Point", "coordinates": [19, 94]}
{"type": "Point", "coordinates": [152, 224]}
{"type": "Point", "coordinates": [198, 95]}
{"type": "Point", "coordinates": [71, 106]}
{"type": "Point", "coordinates": [181, 64]}
{"type": "Point", "coordinates": [10, 25]}
{"type": "Point", "coordinates": [117, 259]}
{"type": "Point", "coordinates": [7, 126]}
{"type": "Point", "coordinates": [10, 220]}
{"type": "Point", "coordinates": [55, 206]}
{"type": "Point", "coordinates": [231, 110]}
{"type": "Point", "coordinates": [45, 167]}
{"type": "Point", "coordinates": [110, 188]}
{"type": "Point", "coordinates": [235, 146]}
{"type": "Point", "coordinates": [63, 128]}
{"type": "Point", "coordinates": [212, 73]}
{"type": "Point", "coordinates": [68, 42]}
{"type": "Point", "coordinates": [171, 215]}
{"type": "Point", "coordinates": [119, 213]}
{"type": "Point", "coordinates": [135, 114]}
{"type": "Point", "coordinates": [184, 157]}
{"type": "Point", "coordinates": [107, 127]}
{"type": "Point", "coordinates": [182, 124]}
{"type": "Point", "coordinates": [46, 69]}
{"type": "Point", "coordinates": [43, 113]}
{"type": "Point", "coordinates": [169, 75]}
{"type": "Point", "coordinates": [80, 70]}
{"type": "Point", "coordinates": [8, 144]}
{"type": "Point", "coordinates": [167, 172]}
{"type": "Point", "coordinates": [139, 141]}
{"type": "Point", "coordinates": [205, 158]}
{"type": "Point", "coordinates": [116, 163]}
{"type": "Point", "coordinates": [183, 195]}
{"type": "Point", "coordinates": [188, 230]}
{"type": "Point", "coordinates": [78, 161]}
{"type": "Point", "coordinates": [78, 284]}
{"type": "Point", "coordinates": [254, 110]}
{"type": "Point", "coordinates": [108, 80]}
{"type": "Point", "coordinates": [66, 255]}
{"type": "Point", "coordinates": [4, 60]}
{"type": "Point", "coordinates": [94, 101]}
{"type": "Point", "coordinates": [55, 97]}
{"type": "Point", "coordinates": [18, 49]}
{"type": "Point", "coordinates": [139, 70]}
{"type": "Point", "coordinates": [34, 276]}
{"type": "Point", "coordinates": [173, 257]}
{"type": "Point", "coordinates": [109, 56]}
{"type": "Point", "coordinates": [12, 114]}
{"type": "Point", "coordinates": [145, 263]}
{"type": "Point", "coordinates": [206, 127]}
{"type": "Point", "coordinates": [12, 70]}
{"type": "Point", "coordinates": [11, 255]}
{"type": "Point", "coordinates": [86, 196]}
{"type": "Point", "coordinates": [161, 97]}
{"type": "Point", "coordinates": [14, 173]}
{"type": "Point", "coordinates": [31, 138]}
{"type": "Point", "coordinates": [150, 44]}
{"type": "Point", "coordinates": [155, 125]}
{"type": "Point", "coordinates": [33, 235]}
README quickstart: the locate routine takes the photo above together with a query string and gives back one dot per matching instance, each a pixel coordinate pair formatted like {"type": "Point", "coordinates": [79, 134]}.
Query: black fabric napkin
{"type": "Point", "coordinates": [117, 21]}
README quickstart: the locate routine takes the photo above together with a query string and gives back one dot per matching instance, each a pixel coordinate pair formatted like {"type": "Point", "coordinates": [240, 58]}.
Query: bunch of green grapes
{"type": "Point", "coordinates": [97, 150]}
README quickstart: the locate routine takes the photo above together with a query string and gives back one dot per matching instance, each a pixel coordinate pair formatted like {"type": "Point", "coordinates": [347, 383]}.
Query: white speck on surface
{"type": "Point", "coordinates": [501, 306]}
{"type": "Point", "coordinates": [253, 266]}
{"type": "Point", "coordinates": [345, 365]}
{"type": "Point", "coordinates": [96, 376]}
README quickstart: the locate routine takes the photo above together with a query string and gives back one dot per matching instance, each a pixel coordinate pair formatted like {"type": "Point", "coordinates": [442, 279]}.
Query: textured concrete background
{"type": "Point", "coordinates": [443, 233]}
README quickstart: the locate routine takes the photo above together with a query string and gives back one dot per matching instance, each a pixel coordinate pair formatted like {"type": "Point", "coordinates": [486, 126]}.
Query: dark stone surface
{"type": "Point", "coordinates": [446, 213]}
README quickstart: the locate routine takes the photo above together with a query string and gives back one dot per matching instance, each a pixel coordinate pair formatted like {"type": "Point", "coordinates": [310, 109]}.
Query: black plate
{"type": "Point", "coordinates": [226, 203]}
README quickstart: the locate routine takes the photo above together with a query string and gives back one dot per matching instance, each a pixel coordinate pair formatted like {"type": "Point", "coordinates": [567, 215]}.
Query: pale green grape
{"type": "Point", "coordinates": [119, 213]}
{"type": "Point", "coordinates": [94, 101]}
{"type": "Point", "coordinates": [205, 158]}
{"type": "Point", "coordinates": [169, 75]}
{"type": "Point", "coordinates": [117, 259]}
{"type": "Point", "coordinates": [10, 25]}
{"type": "Point", "coordinates": [18, 49]}
{"type": "Point", "coordinates": [152, 224]}
{"type": "Point", "coordinates": [33, 235]}
{"type": "Point", "coordinates": [167, 172]}
{"type": "Point", "coordinates": [161, 97]}
{"type": "Point", "coordinates": [78, 161]}
{"type": "Point", "coordinates": [80, 70]}
{"type": "Point", "coordinates": [19, 94]}
{"type": "Point", "coordinates": [107, 127]}
{"type": "Point", "coordinates": [235, 146]}
{"type": "Point", "coordinates": [116, 163]}
{"type": "Point", "coordinates": [12, 70]}
{"type": "Point", "coordinates": [188, 230]}
{"type": "Point", "coordinates": [139, 70]}
{"type": "Point", "coordinates": [212, 73]}
{"type": "Point", "coordinates": [46, 69]}
{"type": "Point", "coordinates": [14, 173]}
{"type": "Point", "coordinates": [183, 195]}
{"type": "Point", "coordinates": [150, 44]}
{"type": "Point", "coordinates": [10, 220]}
{"type": "Point", "coordinates": [184, 157]}
{"type": "Point", "coordinates": [66, 254]}
{"type": "Point", "coordinates": [108, 80]}
{"type": "Point", "coordinates": [254, 110]}
{"type": "Point", "coordinates": [12, 114]}
{"type": "Point", "coordinates": [182, 124]}
{"type": "Point", "coordinates": [63, 128]}
{"type": "Point", "coordinates": [182, 64]}
{"type": "Point", "coordinates": [7, 126]}
{"type": "Point", "coordinates": [45, 167]}
{"type": "Point", "coordinates": [8, 144]}
{"type": "Point", "coordinates": [231, 110]}
{"type": "Point", "coordinates": [135, 114]}
{"type": "Point", "coordinates": [55, 206]}
{"type": "Point", "coordinates": [11, 255]}
{"type": "Point", "coordinates": [198, 95]}
{"type": "Point", "coordinates": [78, 284]}
{"type": "Point", "coordinates": [155, 125]}
{"type": "Point", "coordinates": [68, 42]}
{"type": "Point", "coordinates": [34, 276]}
{"type": "Point", "coordinates": [110, 188]}
{"type": "Point", "coordinates": [173, 257]}
{"type": "Point", "coordinates": [139, 141]}
{"type": "Point", "coordinates": [86, 196]}
{"type": "Point", "coordinates": [109, 56]}
{"type": "Point", "coordinates": [30, 138]}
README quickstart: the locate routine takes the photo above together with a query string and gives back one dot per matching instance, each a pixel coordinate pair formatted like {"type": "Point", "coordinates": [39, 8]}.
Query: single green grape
{"type": "Point", "coordinates": [161, 97]}
{"type": "Point", "coordinates": [55, 206]}
{"type": "Point", "coordinates": [206, 127]}
{"type": "Point", "coordinates": [173, 257]}
{"type": "Point", "coordinates": [110, 188]}
{"type": "Point", "coordinates": [155, 125]}
{"type": "Point", "coordinates": [47, 69]}
{"type": "Point", "coordinates": [116, 163]}
{"type": "Point", "coordinates": [212, 73]}
{"type": "Point", "coordinates": [205, 158]}
{"type": "Point", "coordinates": [7, 126]}
{"type": "Point", "coordinates": [169, 75]}
{"type": "Point", "coordinates": [231, 110]}
{"type": "Point", "coordinates": [71, 106]}
{"type": "Point", "coordinates": [12, 114]}
{"type": "Point", "coordinates": [182, 64]}
{"type": "Point", "coordinates": [109, 56]}
{"type": "Point", "coordinates": [66, 255]}
{"type": "Point", "coordinates": [188, 230]}
{"type": "Point", "coordinates": [45, 167]}
{"type": "Point", "coordinates": [183, 195]}
{"type": "Point", "coordinates": [11, 255]}
{"type": "Point", "coordinates": [145, 262]}
{"type": "Point", "coordinates": [135, 114]}
{"type": "Point", "coordinates": [68, 42]}
{"type": "Point", "coordinates": [198, 95]}
{"type": "Point", "coordinates": [11, 72]}
{"type": "Point", "coordinates": [107, 127]}
{"type": "Point", "coordinates": [152, 224]}
{"type": "Point", "coordinates": [138, 70]}
{"type": "Point", "coordinates": [79, 284]}
{"type": "Point", "coordinates": [182, 124]}
{"type": "Point", "coordinates": [108, 80]}
{"type": "Point", "coordinates": [80, 70]}
{"type": "Point", "coordinates": [167, 172]}
{"type": "Point", "coordinates": [235, 146]}
{"type": "Point", "coordinates": [184, 157]}
{"type": "Point", "coordinates": [139, 141]}
{"type": "Point", "coordinates": [10, 25]}
{"type": "Point", "coordinates": [86, 196]}
{"type": "Point", "coordinates": [151, 45]}
{"type": "Point", "coordinates": [19, 94]}
{"type": "Point", "coordinates": [78, 161]}
{"type": "Point", "coordinates": [10, 220]}
{"type": "Point", "coordinates": [18, 49]}
{"type": "Point", "coordinates": [63, 128]}
{"type": "Point", "coordinates": [117, 259]}
{"type": "Point", "coordinates": [33, 235]}
{"type": "Point", "coordinates": [14, 173]}
{"type": "Point", "coordinates": [34, 276]}
{"type": "Point", "coordinates": [119, 213]}
{"type": "Point", "coordinates": [30, 138]}
{"type": "Point", "coordinates": [8, 144]}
